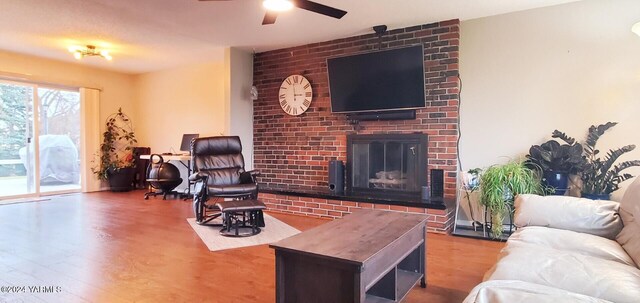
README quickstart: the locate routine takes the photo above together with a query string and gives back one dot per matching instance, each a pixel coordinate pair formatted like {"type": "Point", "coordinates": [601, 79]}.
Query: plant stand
{"type": "Point", "coordinates": [488, 225]}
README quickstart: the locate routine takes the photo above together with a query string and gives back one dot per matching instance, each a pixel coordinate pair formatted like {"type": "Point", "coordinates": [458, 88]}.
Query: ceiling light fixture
{"type": "Point", "coordinates": [636, 28]}
{"type": "Point", "coordinates": [81, 51]}
{"type": "Point", "coordinates": [277, 5]}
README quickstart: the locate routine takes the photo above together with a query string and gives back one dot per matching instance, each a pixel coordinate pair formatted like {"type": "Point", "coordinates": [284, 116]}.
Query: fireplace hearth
{"type": "Point", "coordinates": [386, 165]}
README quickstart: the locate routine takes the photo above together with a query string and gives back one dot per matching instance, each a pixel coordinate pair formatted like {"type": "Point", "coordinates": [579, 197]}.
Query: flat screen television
{"type": "Point", "coordinates": [378, 81]}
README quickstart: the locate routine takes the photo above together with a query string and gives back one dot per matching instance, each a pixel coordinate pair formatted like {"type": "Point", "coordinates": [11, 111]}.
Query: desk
{"type": "Point", "coordinates": [185, 160]}
{"type": "Point", "coordinates": [368, 256]}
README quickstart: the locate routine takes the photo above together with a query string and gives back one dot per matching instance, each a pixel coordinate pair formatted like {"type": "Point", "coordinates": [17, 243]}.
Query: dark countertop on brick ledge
{"type": "Point", "coordinates": [435, 203]}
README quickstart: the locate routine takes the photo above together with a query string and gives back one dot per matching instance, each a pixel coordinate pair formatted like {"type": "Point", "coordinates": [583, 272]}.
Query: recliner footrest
{"type": "Point", "coordinates": [240, 205]}
{"type": "Point", "coordinates": [233, 210]}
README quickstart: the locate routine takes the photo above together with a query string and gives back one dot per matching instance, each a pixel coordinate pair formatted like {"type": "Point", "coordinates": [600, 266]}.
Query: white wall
{"type": "Point", "coordinates": [208, 99]}
{"type": "Point", "coordinates": [183, 100]}
{"type": "Point", "coordinates": [563, 67]}
{"type": "Point", "coordinates": [178, 101]}
{"type": "Point", "coordinates": [239, 65]}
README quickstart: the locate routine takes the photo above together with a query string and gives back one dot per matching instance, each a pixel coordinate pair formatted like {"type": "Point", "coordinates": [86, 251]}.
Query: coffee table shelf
{"type": "Point", "coordinates": [406, 281]}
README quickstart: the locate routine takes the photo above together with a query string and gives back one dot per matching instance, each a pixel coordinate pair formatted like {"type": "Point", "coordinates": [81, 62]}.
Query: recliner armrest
{"type": "Point", "coordinates": [596, 217]}
{"type": "Point", "coordinates": [249, 176]}
{"type": "Point", "coordinates": [197, 177]}
{"type": "Point", "coordinates": [254, 173]}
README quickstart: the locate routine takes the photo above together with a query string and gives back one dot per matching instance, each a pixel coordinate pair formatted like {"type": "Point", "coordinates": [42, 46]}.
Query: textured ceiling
{"type": "Point", "coordinates": [149, 35]}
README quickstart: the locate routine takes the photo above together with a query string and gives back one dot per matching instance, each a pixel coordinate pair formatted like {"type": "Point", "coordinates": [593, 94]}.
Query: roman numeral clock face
{"type": "Point", "coordinates": [295, 95]}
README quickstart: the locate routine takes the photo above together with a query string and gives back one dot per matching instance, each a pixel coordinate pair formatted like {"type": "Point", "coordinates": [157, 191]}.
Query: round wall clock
{"type": "Point", "coordinates": [295, 95]}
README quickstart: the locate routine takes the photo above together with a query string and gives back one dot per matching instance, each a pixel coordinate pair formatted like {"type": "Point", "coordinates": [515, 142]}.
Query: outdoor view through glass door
{"type": "Point", "coordinates": [59, 158]}
{"type": "Point", "coordinates": [55, 165]}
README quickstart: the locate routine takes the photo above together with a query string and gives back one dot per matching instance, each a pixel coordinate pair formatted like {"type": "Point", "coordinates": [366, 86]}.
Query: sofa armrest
{"type": "Point", "coordinates": [596, 217]}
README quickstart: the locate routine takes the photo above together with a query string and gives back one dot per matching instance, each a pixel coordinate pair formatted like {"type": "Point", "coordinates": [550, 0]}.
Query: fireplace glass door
{"type": "Point", "coordinates": [390, 163]}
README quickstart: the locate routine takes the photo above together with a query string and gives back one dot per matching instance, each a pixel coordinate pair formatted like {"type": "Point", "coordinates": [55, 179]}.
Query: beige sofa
{"type": "Point", "coordinates": [568, 250]}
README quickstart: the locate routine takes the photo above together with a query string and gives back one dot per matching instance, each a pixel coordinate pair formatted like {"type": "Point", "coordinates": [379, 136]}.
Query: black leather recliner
{"type": "Point", "coordinates": [218, 167]}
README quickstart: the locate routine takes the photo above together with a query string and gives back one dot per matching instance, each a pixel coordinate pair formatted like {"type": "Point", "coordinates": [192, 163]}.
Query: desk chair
{"type": "Point", "coordinates": [219, 172]}
{"type": "Point", "coordinates": [163, 178]}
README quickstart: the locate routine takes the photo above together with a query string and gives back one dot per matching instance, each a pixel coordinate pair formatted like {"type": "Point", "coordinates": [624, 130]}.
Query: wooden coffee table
{"type": "Point", "coordinates": [368, 256]}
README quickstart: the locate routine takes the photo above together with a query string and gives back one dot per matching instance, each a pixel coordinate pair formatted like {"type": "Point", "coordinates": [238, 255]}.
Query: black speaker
{"type": "Point", "coordinates": [437, 183]}
{"type": "Point", "coordinates": [409, 114]}
{"type": "Point", "coordinates": [336, 176]}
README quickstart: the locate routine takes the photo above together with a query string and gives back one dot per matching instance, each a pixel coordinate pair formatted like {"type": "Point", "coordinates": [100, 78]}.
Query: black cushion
{"type": "Point", "coordinates": [240, 205]}
{"type": "Point", "coordinates": [233, 189]}
{"type": "Point", "coordinates": [221, 145]}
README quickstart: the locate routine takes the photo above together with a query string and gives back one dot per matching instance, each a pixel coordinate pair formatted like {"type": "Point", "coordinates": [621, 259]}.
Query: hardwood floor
{"type": "Point", "coordinates": [117, 247]}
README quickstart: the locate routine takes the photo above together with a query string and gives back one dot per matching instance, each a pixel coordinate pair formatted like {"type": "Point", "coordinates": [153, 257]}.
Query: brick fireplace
{"type": "Point", "coordinates": [295, 151]}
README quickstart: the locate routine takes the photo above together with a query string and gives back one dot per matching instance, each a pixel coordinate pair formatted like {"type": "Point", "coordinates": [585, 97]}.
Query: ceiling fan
{"type": "Point", "coordinates": [275, 6]}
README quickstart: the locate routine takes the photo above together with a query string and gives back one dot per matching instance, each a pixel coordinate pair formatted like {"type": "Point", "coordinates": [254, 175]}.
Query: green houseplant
{"type": "Point", "coordinates": [116, 161]}
{"type": "Point", "coordinates": [499, 184]}
{"type": "Point", "coordinates": [557, 161]}
{"type": "Point", "coordinates": [600, 177]}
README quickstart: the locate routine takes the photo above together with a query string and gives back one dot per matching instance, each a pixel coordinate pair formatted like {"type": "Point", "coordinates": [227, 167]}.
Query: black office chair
{"type": "Point", "coordinates": [219, 172]}
{"type": "Point", "coordinates": [162, 177]}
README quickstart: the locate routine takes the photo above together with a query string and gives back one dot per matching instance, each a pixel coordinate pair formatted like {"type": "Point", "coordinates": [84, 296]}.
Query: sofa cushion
{"type": "Point", "coordinates": [598, 218]}
{"type": "Point", "coordinates": [572, 241]}
{"type": "Point", "coordinates": [509, 291]}
{"type": "Point", "coordinates": [629, 237]}
{"type": "Point", "coordinates": [587, 275]}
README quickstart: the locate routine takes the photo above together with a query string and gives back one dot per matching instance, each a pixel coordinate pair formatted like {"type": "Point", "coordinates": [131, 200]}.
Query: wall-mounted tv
{"type": "Point", "coordinates": [378, 81]}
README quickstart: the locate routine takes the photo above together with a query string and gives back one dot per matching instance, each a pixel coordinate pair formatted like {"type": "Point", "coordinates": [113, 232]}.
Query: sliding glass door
{"type": "Point", "coordinates": [46, 163]}
{"type": "Point", "coordinates": [59, 128]}
{"type": "Point", "coordinates": [17, 160]}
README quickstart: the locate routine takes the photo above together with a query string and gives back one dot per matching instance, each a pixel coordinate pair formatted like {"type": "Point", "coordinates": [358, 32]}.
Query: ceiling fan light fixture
{"type": "Point", "coordinates": [277, 5]}
{"type": "Point", "coordinates": [636, 28]}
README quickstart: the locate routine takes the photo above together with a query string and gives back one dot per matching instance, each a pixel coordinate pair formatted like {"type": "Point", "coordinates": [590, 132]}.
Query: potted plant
{"type": "Point", "coordinates": [557, 161]}
{"type": "Point", "coordinates": [499, 184]}
{"type": "Point", "coordinates": [117, 163]}
{"type": "Point", "coordinates": [600, 177]}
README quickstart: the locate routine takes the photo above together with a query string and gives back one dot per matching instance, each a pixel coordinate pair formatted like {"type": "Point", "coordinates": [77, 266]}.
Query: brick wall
{"type": "Point", "coordinates": [296, 150]}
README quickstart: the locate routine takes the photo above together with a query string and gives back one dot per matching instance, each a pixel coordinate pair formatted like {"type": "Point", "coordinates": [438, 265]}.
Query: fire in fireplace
{"type": "Point", "coordinates": [389, 165]}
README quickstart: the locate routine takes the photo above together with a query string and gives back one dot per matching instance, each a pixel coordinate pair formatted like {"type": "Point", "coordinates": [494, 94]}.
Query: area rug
{"type": "Point", "coordinates": [274, 230]}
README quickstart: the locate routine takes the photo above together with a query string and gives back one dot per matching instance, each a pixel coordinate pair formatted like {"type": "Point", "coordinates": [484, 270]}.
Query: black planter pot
{"type": "Point", "coordinates": [597, 196]}
{"type": "Point", "coordinates": [558, 181]}
{"type": "Point", "coordinates": [121, 179]}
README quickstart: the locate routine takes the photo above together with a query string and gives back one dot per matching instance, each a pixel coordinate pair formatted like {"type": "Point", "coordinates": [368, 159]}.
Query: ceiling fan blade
{"type": "Point", "coordinates": [269, 17]}
{"type": "Point", "coordinates": [319, 8]}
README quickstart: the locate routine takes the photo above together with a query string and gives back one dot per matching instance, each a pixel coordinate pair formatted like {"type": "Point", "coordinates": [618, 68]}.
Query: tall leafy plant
{"type": "Point", "coordinates": [116, 149]}
{"type": "Point", "coordinates": [601, 175]}
{"type": "Point", "coordinates": [499, 185]}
